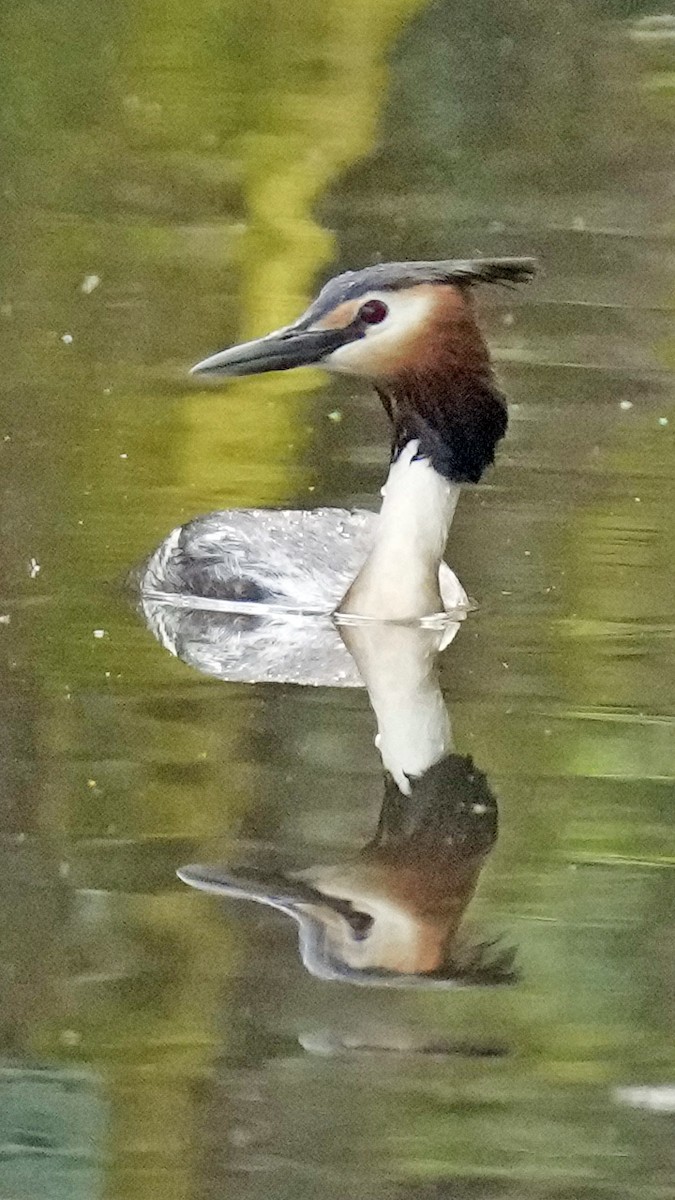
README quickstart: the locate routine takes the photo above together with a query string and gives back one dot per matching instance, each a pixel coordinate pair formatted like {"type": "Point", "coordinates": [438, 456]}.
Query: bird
{"type": "Point", "coordinates": [410, 329]}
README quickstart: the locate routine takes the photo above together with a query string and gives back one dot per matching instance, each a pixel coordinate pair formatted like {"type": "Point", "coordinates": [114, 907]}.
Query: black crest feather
{"type": "Point", "coordinates": [395, 276]}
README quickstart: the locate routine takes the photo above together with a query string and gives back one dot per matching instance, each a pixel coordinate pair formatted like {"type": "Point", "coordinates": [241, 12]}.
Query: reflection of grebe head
{"type": "Point", "coordinates": [392, 916]}
{"type": "Point", "coordinates": [409, 328]}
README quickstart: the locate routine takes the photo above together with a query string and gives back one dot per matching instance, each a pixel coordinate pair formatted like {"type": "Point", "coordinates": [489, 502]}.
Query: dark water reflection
{"type": "Point", "coordinates": [206, 163]}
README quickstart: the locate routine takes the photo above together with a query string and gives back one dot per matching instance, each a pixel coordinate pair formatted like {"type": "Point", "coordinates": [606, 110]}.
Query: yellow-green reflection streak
{"type": "Point", "coordinates": [308, 82]}
{"type": "Point", "coordinates": [304, 127]}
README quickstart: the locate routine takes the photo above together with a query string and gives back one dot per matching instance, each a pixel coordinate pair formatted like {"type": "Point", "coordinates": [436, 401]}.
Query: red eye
{"type": "Point", "coordinates": [372, 312]}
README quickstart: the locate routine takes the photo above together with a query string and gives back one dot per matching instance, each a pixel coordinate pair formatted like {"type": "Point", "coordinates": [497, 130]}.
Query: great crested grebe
{"type": "Point", "coordinates": [393, 915]}
{"type": "Point", "coordinates": [410, 329]}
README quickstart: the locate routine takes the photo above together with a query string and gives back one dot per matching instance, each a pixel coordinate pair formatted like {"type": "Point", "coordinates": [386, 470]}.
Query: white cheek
{"type": "Point", "coordinates": [350, 359]}
{"type": "Point", "coordinates": [368, 355]}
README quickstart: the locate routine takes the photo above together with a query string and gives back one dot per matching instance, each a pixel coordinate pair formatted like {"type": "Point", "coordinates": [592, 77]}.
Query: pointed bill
{"type": "Point", "coordinates": [278, 351]}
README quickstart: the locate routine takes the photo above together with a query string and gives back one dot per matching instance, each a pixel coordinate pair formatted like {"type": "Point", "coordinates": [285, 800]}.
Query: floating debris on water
{"type": "Point", "coordinates": [89, 284]}
{"type": "Point", "coordinates": [34, 568]}
{"type": "Point", "coordinates": [327, 1042]}
{"type": "Point", "coordinates": [335, 416]}
{"type": "Point", "coordinates": [626, 405]}
{"type": "Point", "coordinates": [663, 420]}
{"type": "Point", "coordinates": [67, 339]}
{"type": "Point", "coordinates": [660, 1099]}
{"type": "Point", "coordinates": [70, 1037]}
{"type": "Point", "coordinates": [99, 633]}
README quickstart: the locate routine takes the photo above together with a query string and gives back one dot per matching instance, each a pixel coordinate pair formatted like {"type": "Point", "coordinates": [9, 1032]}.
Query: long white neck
{"type": "Point", "coordinates": [398, 664]}
{"type": "Point", "coordinates": [399, 579]}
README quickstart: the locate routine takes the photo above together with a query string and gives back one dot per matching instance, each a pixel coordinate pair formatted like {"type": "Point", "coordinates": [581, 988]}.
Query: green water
{"type": "Point", "coordinates": [176, 176]}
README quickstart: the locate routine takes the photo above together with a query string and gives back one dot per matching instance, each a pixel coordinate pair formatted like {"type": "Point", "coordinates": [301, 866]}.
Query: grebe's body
{"type": "Point", "coordinates": [410, 329]}
{"type": "Point", "coordinates": [300, 560]}
{"type": "Point", "coordinates": [247, 595]}
{"type": "Point", "coordinates": [303, 560]}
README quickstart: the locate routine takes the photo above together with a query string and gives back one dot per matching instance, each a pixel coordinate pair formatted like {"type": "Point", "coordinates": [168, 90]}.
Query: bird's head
{"type": "Point", "coordinates": [378, 322]}
{"type": "Point", "coordinates": [410, 329]}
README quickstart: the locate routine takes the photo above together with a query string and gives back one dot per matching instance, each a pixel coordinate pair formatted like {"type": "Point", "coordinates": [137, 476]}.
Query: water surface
{"type": "Point", "coordinates": [179, 176]}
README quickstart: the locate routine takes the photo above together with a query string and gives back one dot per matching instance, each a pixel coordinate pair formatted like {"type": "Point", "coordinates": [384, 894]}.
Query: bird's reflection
{"type": "Point", "coordinates": [252, 647]}
{"type": "Point", "coordinates": [394, 914]}
{"type": "Point", "coordinates": [242, 642]}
